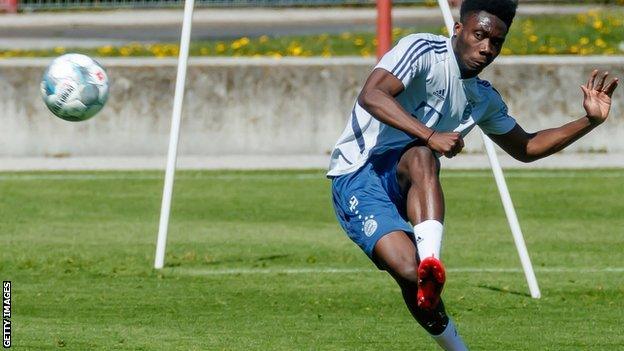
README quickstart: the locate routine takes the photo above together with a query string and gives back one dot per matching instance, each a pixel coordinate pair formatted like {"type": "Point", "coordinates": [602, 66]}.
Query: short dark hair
{"type": "Point", "coordinates": [503, 9]}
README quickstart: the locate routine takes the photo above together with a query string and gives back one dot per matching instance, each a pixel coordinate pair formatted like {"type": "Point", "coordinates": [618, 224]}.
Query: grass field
{"type": "Point", "coordinates": [256, 261]}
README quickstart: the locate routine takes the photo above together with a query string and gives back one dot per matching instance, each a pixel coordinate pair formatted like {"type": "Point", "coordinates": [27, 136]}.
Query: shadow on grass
{"type": "Point", "coordinates": [174, 263]}
{"type": "Point", "coordinates": [503, 290]}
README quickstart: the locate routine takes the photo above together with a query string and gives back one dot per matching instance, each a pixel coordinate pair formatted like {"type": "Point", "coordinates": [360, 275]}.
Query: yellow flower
{"type": "Point", "coordinates": [506, 51]}
{"type": "Point", "coordinates": [59, 50]}
{"type": "Point", "coordinates": [552, 51]}
{"type": "Point", "coordinates": [533, 38]}
{"type": "Point", "coordinates": [359, 41]}
{"type": "Point", "coordinates": [297, 50]}
{"type": "Point", "coordinates": [237, 44]}
{"type": "Point", "coordinates": [277, 56]}
{"type": "Point", "coordinates": [263, 39]}
{"type": "Point", "coordinates": [124, 51]}
{"type": "Point", "coordinates": [584, 41]}
{"type": "Point", "coordinates": [597, 24]}
{"type": "Point", "coordinates": [204, 51]}
{"type": "Point", "coordinates": [365, 52]}
{"type": "Point", "coordinates": [574, 49]}
{"type": "Point", "coordinates": [220, 47]}
{"type": "Point", "coordinates": [600, 43]}
{"type": "Point", "coordinates": [396, 31]}
{"type": "Point", "coordinates": [105, 50]}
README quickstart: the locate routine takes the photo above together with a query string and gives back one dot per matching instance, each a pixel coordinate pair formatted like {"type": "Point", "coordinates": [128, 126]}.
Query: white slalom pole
{"type": "Point", "coordinates": [512, 218]}
{"type": "Point", "coordinates": [174, 136]}
{"type": "Point", "coordinates": [510, 212]}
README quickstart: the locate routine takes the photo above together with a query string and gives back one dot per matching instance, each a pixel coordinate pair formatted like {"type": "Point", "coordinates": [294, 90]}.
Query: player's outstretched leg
{"type": "Point", "coordinates": [396, 253]}
{"type": "Point", "coordinates": [418, 175]}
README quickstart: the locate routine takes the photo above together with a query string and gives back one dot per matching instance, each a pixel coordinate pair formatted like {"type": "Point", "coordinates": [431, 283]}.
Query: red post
{"type": "Point", "coordinates": [10, 6]}
{"type": "Point", "coordinates": [384, 27]}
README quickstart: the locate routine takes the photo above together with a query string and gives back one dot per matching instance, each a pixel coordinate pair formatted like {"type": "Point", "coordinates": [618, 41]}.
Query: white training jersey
{"type": "Point", "coordinates": [434, 94]}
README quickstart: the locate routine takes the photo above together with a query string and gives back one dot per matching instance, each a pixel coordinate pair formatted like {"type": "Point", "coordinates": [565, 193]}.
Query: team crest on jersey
{"type": "Point", "coordinates": [467, 113]}
{"type": "Point", "coordinates": [485, 83]}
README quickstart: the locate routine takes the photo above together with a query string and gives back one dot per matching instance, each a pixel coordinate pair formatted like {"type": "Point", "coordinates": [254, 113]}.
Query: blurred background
{"type": "Point", "coordinates": [256, 259]}
{"type": "Point", "coordinates": [264, 72]}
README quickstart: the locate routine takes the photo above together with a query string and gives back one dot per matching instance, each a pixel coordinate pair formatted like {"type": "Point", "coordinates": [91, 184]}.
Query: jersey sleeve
{"type": "Point", "coordinates": [496, 120]}
{"type": "Point", "coordinates": [408, 59]}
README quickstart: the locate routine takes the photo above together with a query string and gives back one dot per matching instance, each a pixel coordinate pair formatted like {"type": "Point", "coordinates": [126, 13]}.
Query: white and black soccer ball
{"type": "Point", "coordinates": [74, 87]}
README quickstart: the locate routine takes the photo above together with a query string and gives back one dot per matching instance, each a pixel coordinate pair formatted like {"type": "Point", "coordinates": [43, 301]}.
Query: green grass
{"type": "Point", "coordinates": [591, 33]}
{"type": "Point", "coordinates": [79, 248]}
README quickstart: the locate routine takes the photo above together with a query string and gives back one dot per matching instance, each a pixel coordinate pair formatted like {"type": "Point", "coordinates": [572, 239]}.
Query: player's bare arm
{"type": "Point", "coordinates": [377, 97]}
{"type": "Point", "coordinates": [528, 147]}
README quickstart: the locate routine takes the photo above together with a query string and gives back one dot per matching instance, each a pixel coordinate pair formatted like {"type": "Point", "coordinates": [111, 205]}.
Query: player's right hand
{"type": "Point", "coordinates": [448, 144]}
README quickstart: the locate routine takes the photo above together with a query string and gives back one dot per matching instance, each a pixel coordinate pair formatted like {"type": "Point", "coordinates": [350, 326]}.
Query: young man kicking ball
{"type": "Point", "coordinates": [419, 102]}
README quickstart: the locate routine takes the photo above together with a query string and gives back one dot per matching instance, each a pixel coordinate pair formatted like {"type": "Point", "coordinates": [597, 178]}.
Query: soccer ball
{"type": "Point", "coordinates": [74, 87]}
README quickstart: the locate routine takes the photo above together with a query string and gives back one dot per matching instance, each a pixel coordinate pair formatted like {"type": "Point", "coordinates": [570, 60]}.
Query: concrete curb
{"type": "Point", "coordinates": [245, 162]}
{"type": "Point", "coordinates": [305, 61]}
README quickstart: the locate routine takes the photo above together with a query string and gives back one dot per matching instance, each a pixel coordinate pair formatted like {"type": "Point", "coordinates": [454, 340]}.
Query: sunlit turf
{"type": "Point", "coordinates": [257, 261]}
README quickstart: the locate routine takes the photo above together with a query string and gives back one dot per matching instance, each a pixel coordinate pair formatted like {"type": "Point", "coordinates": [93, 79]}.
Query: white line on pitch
{"type": "Point", "coordinates": [236, 271]}
{"type": "Point", "coordinates": [281, 177]}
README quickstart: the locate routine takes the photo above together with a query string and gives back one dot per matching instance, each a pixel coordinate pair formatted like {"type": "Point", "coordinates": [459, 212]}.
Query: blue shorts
{"type": "Point", "coordinates": [369, 203]}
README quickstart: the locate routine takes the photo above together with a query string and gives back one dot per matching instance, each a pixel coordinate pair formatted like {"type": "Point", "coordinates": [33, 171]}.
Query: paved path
{"type": "Point", "coordinates": [91, 29]}
{"type": "Point", "coordinates": [289, 162]}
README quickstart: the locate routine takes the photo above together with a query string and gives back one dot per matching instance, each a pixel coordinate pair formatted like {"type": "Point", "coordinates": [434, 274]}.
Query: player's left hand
{"type": "Point", "coordinates": [597, 96]}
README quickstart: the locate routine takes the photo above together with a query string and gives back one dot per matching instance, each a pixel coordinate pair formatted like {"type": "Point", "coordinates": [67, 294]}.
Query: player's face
{"type": "Point", "coordinates": [478, 42]}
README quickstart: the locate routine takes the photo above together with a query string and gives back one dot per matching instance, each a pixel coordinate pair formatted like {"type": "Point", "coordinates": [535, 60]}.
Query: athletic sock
{"type": "Point", "coordinates": [450, 340]}
{"type": "Point", "coordinates": [429, 238]}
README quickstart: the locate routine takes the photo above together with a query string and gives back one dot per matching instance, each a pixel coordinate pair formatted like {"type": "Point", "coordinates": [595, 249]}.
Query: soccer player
{"type": "Point", "coordinates": [418, 103]}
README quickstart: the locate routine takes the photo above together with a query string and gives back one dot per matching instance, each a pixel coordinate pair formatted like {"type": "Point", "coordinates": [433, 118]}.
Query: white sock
{"type": "Point", "coordinates": [450, 340]}
{"type": "Point", "coordinates": [429, 238]}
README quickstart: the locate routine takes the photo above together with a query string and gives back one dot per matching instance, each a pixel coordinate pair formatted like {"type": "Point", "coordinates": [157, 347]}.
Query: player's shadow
{"type": "Point", "coordinates": [243, 259]}
{"type": "Point", "coordinates": [502, 290]}
{"type": "Point", "coordinates": [271, 257]}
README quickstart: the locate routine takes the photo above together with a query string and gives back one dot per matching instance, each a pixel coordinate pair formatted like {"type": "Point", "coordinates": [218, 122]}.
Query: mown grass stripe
{"type": "Point", "coordinates": [238, 271]}
{"type": "Point", "coordinates": [292, 176]}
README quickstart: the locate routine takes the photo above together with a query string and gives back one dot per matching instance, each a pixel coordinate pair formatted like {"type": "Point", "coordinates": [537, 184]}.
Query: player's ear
{"type": "Point", "coordinates": [457, 28]}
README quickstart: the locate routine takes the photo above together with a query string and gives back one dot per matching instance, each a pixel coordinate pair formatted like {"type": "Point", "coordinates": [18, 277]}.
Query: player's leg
{"type": "Point", "coordinates": [368, 205]}
{"type": "Point", "coordinates": [396, 253]}
{"type": "Point", "coordinates": [418, 176]}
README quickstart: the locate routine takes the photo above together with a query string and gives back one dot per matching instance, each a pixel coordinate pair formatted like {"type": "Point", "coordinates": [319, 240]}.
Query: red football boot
{"type": "Point", "coordinates": [431, 278]}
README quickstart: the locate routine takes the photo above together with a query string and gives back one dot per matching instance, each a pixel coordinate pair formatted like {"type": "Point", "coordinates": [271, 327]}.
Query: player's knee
{"type": "Point", "coordinates": [406, 272]}
{"type": "Point", "coordinates": [422, 162]}
{"type": "Point", "coordinates": [421, 156]}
